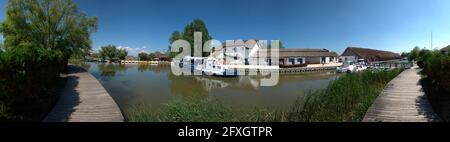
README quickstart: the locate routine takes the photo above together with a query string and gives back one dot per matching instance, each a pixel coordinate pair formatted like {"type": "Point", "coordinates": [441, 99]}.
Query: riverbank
{"type": "Point", "coordinates": [346, 99]}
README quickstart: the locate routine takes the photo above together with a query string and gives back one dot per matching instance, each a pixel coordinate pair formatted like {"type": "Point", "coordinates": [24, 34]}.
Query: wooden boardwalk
{"type": "Point", "coordinates": [402, 100]}
{"type": "Point", "coordinates": [84, 100]}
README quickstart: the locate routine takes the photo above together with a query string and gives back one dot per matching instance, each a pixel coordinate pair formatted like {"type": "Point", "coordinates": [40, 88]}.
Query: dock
{"type": "Point", "coordinates": [143, 62]}
{"type": "Point", "coordinates": [84, 100]}
{"type": "Point", "coordinates": [310, 68]}
{"type": "Point", "coordinates": [402, 100]}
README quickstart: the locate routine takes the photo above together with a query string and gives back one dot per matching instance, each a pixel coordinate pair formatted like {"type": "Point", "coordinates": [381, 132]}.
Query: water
{"type": "Point", "coordinates": [156, 85]}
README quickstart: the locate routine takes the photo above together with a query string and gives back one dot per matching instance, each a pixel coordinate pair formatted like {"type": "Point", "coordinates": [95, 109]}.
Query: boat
{"type": "Point", "coordinates": [204, 65]}
{"type": "Point", "coordinates": [212, 66]}
{"type": "Point", "coordinates": [351, 66]}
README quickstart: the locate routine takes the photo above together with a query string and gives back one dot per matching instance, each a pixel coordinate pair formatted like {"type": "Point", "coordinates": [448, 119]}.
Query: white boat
{"type": "Point", "coordinates": [204, 65]}
{"type": "Point", "coordinates": [212, 66]}
{"type": "Point", "coordinates": [351, 66]}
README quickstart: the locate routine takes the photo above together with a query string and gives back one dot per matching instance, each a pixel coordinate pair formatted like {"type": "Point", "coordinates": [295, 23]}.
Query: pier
{"type": "Point", "coordinates": [84, 100]}
{"type": "Point", "coordinates": [309, 68]}
{"type": "Point", "coordinates": [402, 100]}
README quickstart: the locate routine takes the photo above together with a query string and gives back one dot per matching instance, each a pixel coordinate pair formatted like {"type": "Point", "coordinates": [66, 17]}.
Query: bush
{"type": "Point", "coordinates": [437, 68]}
{"type": "Point", "coordinates": [26, 73]}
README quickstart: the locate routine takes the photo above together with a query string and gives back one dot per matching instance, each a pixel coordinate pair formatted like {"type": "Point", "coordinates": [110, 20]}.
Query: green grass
{"type": "Point", "coordinates": [180, 110]}
{"type": "Point", "coordinates": [345, 99]}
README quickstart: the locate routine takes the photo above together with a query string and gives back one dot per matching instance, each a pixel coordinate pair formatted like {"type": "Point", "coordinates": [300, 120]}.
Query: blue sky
{"type": "Point", "coordinates": [395, 25]}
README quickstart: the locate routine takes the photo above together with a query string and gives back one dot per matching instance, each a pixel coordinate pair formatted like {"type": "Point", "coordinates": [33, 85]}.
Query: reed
{"type": "Point", "coordinates": [345, 99]}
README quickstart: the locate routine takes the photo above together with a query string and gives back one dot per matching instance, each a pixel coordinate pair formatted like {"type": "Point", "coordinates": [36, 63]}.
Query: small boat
{"type": "Point", "coordinates": [212, 66]}
{"type": "Point", "coordinates": [205, 65]}
{"type": "Point", "coordinates": [351, 66]}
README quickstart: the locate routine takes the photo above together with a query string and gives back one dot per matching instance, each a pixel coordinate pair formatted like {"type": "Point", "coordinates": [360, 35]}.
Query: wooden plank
{"type": "Point", "coordinates": [84, 100]}
{"type": "Point", "coordinates": [402, 100]}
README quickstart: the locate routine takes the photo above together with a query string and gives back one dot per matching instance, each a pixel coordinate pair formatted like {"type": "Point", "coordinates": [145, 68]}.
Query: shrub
{"type": "Point", "coordinates": [26, 73]}
{"type": "Point", "coordinates": [437, 68]}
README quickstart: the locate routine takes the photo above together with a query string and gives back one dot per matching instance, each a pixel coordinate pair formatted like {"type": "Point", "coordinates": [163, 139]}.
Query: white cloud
{"type": "Point", "coordinates": [134, 51]}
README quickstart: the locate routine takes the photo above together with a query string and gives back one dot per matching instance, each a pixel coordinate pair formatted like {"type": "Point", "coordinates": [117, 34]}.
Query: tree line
{"type": "Point", "coordinates": [39, 38]}
{"type": "Point", "coordinates": [111, 53]}
{"type": "Point", "coordinates": [143, 56]}
{"type": "Point", "coordinates": [435, 65]}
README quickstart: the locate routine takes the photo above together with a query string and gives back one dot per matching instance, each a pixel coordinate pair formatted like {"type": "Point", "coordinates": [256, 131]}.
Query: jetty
{"type": "Point", "coordinates": [84, 100]}
{"type": "Point", "coordinates": [308, 68]}
{"type": "Point", "coordinates": [402, 100]}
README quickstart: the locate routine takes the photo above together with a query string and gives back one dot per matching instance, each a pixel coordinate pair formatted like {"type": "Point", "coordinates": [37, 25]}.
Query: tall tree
{"type": "Point", "coordinates": [122, 54]}
{"type": "Point", "coordinates": [174, 37]}
{"type": "Point", "coordinates": [52, 24]}
{"type": "Point", "coordinates": [414, 54]}
{"type": "Point", "coordinates": [280, 46]}
{"type": "Point", "coordinates": [108, 52]}
{"type": "Point", "coordinates": [143, 56]}
{"type": "Point", "coordinates": [188, 34]}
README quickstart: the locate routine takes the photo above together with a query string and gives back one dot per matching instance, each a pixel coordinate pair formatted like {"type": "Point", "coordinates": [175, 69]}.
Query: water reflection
{"type": "Point", "coordinates": [156, 85]}
{"type": "Point", "coordinates": [110, 69]}
{"type": "Point", "coordinates": [152, 67]}
{"type": "Point", "coordinates": [185, 86]}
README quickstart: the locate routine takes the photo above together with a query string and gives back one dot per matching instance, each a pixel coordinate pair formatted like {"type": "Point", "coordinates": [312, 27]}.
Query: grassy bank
{"type": "Point", "coordinates": [345, 99]}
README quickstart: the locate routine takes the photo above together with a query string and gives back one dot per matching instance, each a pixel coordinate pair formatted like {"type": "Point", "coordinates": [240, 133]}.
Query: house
{"type": "Point", "coordinates": [240, 52]}
{"type": "Point", "coordinates": [162, 57]}
{"type": "Point", "coordinates": [367, 55]}
{"type": "Point", "coordinates": [446, 50]}
{"type": "Point", "coordinates": [251, 52]}
{"type": "Point", "coordinates": [299, 56]}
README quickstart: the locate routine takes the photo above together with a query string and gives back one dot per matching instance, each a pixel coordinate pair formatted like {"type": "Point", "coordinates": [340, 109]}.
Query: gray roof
{"type": "Point", "coordinates": [371, 54]}
{"type": "Point", "coordinates": [446, 48]}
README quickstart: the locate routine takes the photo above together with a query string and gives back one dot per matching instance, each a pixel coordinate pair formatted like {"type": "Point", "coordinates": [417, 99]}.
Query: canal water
{"type": "Point", "coordinates": [156, 85]}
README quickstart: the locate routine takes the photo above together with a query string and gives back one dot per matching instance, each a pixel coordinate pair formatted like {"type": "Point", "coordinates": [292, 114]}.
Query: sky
{"type": "Point", "coordinates": [393, 25]}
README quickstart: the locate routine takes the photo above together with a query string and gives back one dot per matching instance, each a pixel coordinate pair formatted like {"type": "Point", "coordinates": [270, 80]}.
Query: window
{"type": "Point", "coordinates": [292, 60]}
{"type": "Point", "coordinates": [300, 60]}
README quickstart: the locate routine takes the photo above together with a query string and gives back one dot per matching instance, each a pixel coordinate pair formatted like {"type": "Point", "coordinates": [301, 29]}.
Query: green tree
{"type": "Point", "coordinates": [175, 36]}
{"type": "Point", "coordinates": [51, 24]}
{"type": "Point", "coordinates": [143, 56]}
{"type": "Point", "coordinates": [405, 54]}
{"type": "Point", "coordinates": [281, 46]}
{"type": "Point", "coordinates": [414, 54]}
{"type": "Point", "coordinates": [188, 34]}
{"type": "Point", "coordinates": [109, 52]}
{"type": "Point", "coordinates": [122, 54]}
